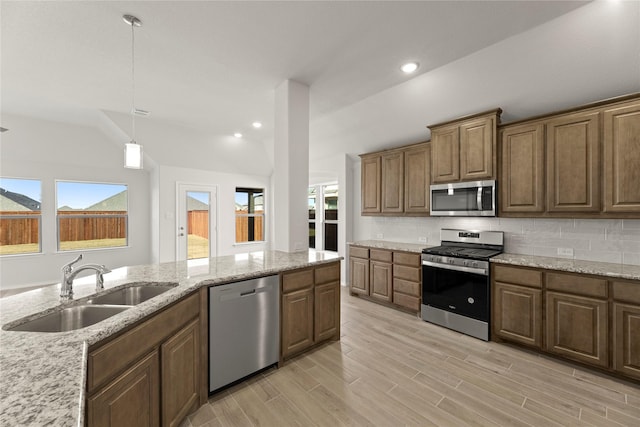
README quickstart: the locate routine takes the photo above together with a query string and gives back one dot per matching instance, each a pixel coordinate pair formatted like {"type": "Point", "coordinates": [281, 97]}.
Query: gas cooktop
{"type": "Point", "coordinates": [462, 252]}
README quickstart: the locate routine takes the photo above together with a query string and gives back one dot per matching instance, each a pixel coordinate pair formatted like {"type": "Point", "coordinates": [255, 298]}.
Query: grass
{"type": "Point", "coordinates": [197, 247]}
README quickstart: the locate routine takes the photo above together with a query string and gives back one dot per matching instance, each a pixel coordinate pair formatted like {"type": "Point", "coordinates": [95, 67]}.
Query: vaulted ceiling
{"type": "Point", "coordinates": [207, 69]}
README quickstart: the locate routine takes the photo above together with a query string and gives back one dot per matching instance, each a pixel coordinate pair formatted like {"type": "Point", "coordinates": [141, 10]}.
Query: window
{"type": "Point", "coordinates": [312, 217]}
{"type": "Point", "coordinates": [20, 216]}
{"type": "Point", "coordinates": [249, 215]}
{"type": "Point", "coordinates": [91, 215]}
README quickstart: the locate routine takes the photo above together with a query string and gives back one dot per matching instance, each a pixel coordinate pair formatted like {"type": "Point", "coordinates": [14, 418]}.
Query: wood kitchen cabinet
{"type": "Point", "coordinates": [359, 270]}
{"type": "Point", "coordinates": [310, 308]}
{"type": "Point", "coordinates": [465, 149]}
{"type": "Point", "coordinates": [573, 163]}
{"type": "Point", "coordinates": [522, 169]}
{"type": "Point", "coordinates": [517, 304]}
{"type": "Point", "coordinates": [622, 158]}
{"type": "Point", "coordinates": [151, 373]}
{"type": "Point", "coordinates": [396, 182]}
{"type": "Point", "coordinates": [626, 328]}
{"type": "Point", "coordinates": [371, 177]}
{"type": "Point", "coordinates": [380, 274]}
{"type": "Point", "coordinates": [393, 182]}
{"type": "Point", "coordinates": [394, 277]}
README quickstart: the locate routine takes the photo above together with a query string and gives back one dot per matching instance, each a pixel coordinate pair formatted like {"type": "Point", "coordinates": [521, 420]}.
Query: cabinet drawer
{"type": "Point", "coordinates": [406, 259]}
{"type": "Point", "coordinates": [626, 291]}
{"type": "Point", "coordinates": [113, 357]}
{"type": "Point", "coordinates": [358, 252]}
{"type": "Point", "coordinates": [406, 287]}
{"type": "Point", "coordinates": [577, 284]}
{"type": "Point", "coordinates": [406, 273]}
{"type": "Point", "coordinates": [518, 276]}
{"type": "Point", "coordinates": [380, 255]}
{"type": "Point", "coordinates": [412, 303]}
{"type": "Point", "coordinates": [299, 279]}
{"type": "Point", "coordinates": [328, 273]}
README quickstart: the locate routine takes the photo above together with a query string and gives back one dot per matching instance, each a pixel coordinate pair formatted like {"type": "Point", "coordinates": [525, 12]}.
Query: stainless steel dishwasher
{"type": "Point", "coordinates": [244, 329]}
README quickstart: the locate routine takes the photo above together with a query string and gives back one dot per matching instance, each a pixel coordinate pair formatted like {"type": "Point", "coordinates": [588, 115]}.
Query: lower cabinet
{"type": "Point", "coordinates": [386, 276]}
{"type": "Point", "coordinates": [310, 308]}
{"type": "Point", "coordinates": [149, 375]}
{"type": "Point", "coordinates": [585, 318]}
{"type": "Point", "coordinates": [577, 328]}
{"type": "Point", "coordinates": [132, 399]}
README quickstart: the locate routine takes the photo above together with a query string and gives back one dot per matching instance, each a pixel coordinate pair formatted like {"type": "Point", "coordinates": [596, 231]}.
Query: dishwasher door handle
{"type": "Point", "coordinates": [251, 292]}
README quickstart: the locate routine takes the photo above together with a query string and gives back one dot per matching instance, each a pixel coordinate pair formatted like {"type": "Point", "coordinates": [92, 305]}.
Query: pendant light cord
{"type": "Point", "coordinates": [133, 85]}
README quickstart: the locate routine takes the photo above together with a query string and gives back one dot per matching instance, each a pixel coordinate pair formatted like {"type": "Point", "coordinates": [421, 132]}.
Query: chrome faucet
{"type": "Point", "coordinates": [69, 273]}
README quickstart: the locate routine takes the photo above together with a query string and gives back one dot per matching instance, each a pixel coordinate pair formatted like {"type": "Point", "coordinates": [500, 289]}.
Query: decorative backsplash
{"type": "Point", "coordinates": [606, 240]}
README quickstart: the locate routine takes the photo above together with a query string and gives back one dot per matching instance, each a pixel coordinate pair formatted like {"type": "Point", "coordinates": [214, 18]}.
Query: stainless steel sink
{"type": "Point", "coordinates": [131, 295]}
{"type": "Point", "coordinates": [70, 318]}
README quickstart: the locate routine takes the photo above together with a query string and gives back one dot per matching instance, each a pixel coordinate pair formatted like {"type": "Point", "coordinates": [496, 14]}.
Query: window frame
{"type": "Point", "coordinates": [101, 248]}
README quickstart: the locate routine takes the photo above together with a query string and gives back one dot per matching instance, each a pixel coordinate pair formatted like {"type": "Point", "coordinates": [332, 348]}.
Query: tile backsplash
{"type": "Point", "coordinates": [607, 240]}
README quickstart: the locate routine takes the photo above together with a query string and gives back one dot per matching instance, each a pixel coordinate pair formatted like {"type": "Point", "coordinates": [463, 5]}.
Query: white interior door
{"type": "Point", "coordinates": [197, 221]}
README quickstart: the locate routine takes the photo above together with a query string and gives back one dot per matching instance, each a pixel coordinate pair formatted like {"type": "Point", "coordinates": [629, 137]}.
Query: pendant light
{"type": "Point", "coordinates": [133, 150]}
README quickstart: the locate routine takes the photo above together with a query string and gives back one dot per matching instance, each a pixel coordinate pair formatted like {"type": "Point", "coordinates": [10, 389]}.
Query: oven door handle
{"type": "Point", "coordinates": [481, 271]}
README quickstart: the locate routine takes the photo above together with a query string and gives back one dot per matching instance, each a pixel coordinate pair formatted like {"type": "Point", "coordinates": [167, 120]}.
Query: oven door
{"type": "Point", "coordinates": [461, 290]}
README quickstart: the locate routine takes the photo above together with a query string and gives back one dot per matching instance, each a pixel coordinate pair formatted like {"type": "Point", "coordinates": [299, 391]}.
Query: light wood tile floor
{"type": "Point", "coordinates": [393, 369]}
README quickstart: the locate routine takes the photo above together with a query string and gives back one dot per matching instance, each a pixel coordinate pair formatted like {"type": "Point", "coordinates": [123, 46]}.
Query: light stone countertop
{"type": "Point", "coordinates": [621, 271]}
{"type": "Point", "coordinates": [43, 375]}
{"type": "Point", "coordinates": [392, 246]}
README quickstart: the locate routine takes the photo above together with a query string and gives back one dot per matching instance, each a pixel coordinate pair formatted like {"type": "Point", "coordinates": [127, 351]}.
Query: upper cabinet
{"type": "Point", "coordinates": [583, 163]}
{"type": "Point", "coordinates": [396, 182]}
{"type": "Point", "coordinates": [465, 149]}
{"type": "Point", "coordinates": [621, 141]}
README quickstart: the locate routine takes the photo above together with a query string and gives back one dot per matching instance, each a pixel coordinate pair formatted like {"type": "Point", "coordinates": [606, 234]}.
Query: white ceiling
{"type": "Point", "coordinates": [212, 67]}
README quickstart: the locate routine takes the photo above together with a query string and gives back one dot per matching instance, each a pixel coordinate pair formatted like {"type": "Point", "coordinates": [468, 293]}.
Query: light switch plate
{"type": "Point", "coordinates": [379, 236]}
{"type": "Point", "coordinates": [422, 240]}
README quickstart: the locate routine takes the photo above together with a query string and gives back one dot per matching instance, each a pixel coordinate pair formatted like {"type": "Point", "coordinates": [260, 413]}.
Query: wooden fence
{"type": "Point", "coordinates": [95, 225]}
{"type": "Point", "coordinates": [19, 230]}
{"type": "Point", "coordinates": [242, 227]}
{"type": "Point", "coordinates": [198, 223]}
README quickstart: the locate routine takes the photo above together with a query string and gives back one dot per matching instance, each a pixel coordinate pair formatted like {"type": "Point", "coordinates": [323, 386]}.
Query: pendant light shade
{"type": "Point", "coordinates": [133, 155]}
{"type": "Point", "coordinates": [133, 150]}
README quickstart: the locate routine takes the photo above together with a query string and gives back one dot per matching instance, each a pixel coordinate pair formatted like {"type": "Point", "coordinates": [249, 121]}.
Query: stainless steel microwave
{"type": "Point", "coordinates": [475, 198]}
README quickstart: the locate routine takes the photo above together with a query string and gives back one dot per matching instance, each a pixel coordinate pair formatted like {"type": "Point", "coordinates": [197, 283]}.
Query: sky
{"type": "Point", "coordinates": [77, 195]}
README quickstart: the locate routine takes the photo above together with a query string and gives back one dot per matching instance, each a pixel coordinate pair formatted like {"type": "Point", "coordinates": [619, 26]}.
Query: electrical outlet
{"type": "Point", "coordinates": [565, 251]}
{"type": "Point", "coordinates": [422, 240]}
{"type": "Point", "coordinates": [379, 236]}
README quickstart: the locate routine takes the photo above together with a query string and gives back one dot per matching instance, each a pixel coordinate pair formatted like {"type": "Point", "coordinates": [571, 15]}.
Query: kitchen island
{"type": "Point", "coordinates": [43, 376]}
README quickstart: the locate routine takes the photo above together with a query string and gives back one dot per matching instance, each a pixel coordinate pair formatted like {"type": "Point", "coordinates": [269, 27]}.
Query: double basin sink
{"type": "Point", "coordinates": [92, 310]}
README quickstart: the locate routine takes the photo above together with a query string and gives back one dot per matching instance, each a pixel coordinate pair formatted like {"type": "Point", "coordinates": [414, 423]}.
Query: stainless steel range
{"type": "Point", "coordinates": [456, 287]}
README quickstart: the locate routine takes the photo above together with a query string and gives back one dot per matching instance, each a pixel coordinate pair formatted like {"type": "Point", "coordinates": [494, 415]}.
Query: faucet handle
{"type": "Point", "coordinates": [67, 266]}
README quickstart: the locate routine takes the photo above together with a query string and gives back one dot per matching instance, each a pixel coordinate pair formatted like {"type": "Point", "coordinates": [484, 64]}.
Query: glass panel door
{"type": "Point", "coordinates": [196, 222]}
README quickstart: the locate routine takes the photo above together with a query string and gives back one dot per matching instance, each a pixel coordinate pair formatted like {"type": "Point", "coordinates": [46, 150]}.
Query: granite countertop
{"type": "Point", "coordinates": [43, 375]}
{"type": "Point", "coordinates": [392, 246]}
{"type": "Point", "coordinates": [621, 271]}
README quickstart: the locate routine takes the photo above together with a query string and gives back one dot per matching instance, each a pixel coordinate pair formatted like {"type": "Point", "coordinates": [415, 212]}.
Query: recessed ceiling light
{"type": "Point", "coordinates": [237, 135]}
{"type": "Point", "coordinates": [409, 67]}
{"type": "Point", "coordinates": [257, 125]}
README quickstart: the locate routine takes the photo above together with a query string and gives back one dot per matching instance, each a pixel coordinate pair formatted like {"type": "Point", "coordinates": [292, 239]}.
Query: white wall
{"type": "Point", "coordinates": [165, 233]}
{"type": "Point", "coordinates": [45, 150]}
{"type": "Point", "coordinates": [607, 240]}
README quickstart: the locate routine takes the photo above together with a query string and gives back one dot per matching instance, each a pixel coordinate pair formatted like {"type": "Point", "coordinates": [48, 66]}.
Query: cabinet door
{"type": "Point", "coordinates": [393, 182]}
{"type": "Point", "coordinates": [297, 322]}
{"type": "Point", "coordinates": [626, 339]}
{"type": "Point", "coordinates": [517, 313]}
{"type": "Point", "coordinates": [445, 155]}
{"type": "Point", "coordinates": [132, 399]}
{"type": "Point", "coordinates": [522, 172]}
{"type": "Point", "coordinates": [573, 163]}
{"type": "Point", "coordinates": [417, 178]}
{"type": "Point", "coordinates": [327, 312]}
{"type": "Point", "coordinates": [477, 149]}
{"type": "Point", "coordinates": [577, 328]}
{"type": "Point", "coordinates": [381, 277]}
{"type": "Point", "coordinates": [371, 182]}
{"type": "Point", "coordinates": [359, 275]}
{"type": "Point", "coordinates": [622, 158]}
{"type": "Point", "coordinates": [180, 374]}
